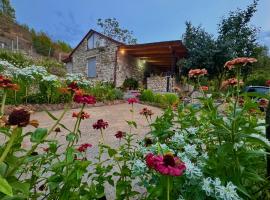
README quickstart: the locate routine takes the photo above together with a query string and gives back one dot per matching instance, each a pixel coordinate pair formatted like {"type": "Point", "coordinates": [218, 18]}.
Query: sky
{"type": "Point", "coordinates": [150, 20]}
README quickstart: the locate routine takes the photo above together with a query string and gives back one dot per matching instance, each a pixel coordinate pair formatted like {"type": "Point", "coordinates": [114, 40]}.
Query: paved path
{"type": "Point", "coordinates": [115, 115]}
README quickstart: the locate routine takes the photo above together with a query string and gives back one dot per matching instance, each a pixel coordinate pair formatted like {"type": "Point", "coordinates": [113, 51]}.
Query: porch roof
{"type": "Point", "coordinates": [161, 54]}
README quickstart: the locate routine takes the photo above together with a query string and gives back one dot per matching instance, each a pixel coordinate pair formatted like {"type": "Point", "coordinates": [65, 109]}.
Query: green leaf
{"type": "Point", "coordinates": [112, 152]}
{"type": "Point", "coordinates": [71, 137]}
{"type": "Point", "coordinates": [51, 115]}
{"type": "Point", "coordinates": [70, 157]}
{"type": "Point", "coordinates": [5, 187]}
{"type": "Point", "coordinates": [38, 135]}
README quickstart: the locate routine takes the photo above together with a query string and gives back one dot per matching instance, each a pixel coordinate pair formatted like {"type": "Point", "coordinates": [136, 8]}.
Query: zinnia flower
{"type": "Point", "coordinates": [239, 61]}
{"type": "Point", "coordinates": [73, 86]}
{"type": "Point", "coordinates": [132, 100]}
{"type": "Point", "coordinates": [204, 88]}
{"type": "Point", "coordinates": [120, 134]}
{"type": "Point", "coordinates": [263, 103]}
{"type": "Point", "coordinates": [100, 124]}
{"type": "Point", "coordinates": [166, 164]}
{"type": "Point", "coordinates": [19, 117]}
{"type": "Point", "coordinates": [83, 115]}
{"type": "Point", "coordinates": [57, 130]}
{"type": "Point", "coordinates": [231, 82]}
{"type": "Point", "coordinates": [85, 99]}
{"type": "Point", "coordinates": [6, 83]}
{"type": "Point", "coordinates": [146, 112]}
{"type": "Point", "coordinates": [83, 147]}
{"type": "Point", "coordinates": [197, 72]}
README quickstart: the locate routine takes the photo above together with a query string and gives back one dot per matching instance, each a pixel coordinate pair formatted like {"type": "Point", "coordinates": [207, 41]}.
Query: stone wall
{"type": "Point", "coordinates": [105, 60]}
{"type": "Point", "coordinates": [159, 83]}
{"type": "Point", "coordinates": [127, 67]}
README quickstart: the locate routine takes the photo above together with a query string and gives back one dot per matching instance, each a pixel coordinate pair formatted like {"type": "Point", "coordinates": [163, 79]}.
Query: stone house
{"type": "Point", "coordinates": [102, 58]}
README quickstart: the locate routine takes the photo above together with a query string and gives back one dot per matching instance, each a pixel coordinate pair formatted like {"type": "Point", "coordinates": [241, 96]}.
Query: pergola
{"type": "Point", "coordinates": [163, 55]}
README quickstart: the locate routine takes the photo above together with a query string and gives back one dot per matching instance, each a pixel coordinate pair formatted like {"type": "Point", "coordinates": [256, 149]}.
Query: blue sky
{"type": "Point", "coordinates": [150, 20]}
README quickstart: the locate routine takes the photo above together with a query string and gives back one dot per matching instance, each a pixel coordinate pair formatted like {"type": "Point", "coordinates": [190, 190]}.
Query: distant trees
{"type": "Point", "coordinates": [6, 9]}
{"type": "Point", "coordinates": [236, 38]}
{"type": "Point", "coordinates": [111, 28]}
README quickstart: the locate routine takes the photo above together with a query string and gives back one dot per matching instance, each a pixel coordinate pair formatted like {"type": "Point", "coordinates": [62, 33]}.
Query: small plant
{"type": "Point", "coordinates": [131, 84]}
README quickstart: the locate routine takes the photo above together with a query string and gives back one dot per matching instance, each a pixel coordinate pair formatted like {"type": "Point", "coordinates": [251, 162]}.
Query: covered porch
{"type": "Point", "coordinates": [160, 60]}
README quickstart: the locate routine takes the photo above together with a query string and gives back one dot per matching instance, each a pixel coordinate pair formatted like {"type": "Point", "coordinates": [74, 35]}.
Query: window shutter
{"type": "Point", "coordinates": [92, 71]}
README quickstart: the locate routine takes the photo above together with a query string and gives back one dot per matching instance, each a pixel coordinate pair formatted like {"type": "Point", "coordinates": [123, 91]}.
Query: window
{"type": "Point", "coordinates": [95, 41]}
{"type": "Point", "coordinates": [91, 67]}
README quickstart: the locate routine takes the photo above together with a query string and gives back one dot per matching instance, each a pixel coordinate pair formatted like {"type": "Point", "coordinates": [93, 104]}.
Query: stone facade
{"type": "Point", "coordinates": [159, 83]}
{"type": "Point", "coordinates": [111, 65]}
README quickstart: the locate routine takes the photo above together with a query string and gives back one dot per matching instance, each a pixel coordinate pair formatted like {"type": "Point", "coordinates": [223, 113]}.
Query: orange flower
{"type": "Point", "coordinates": [204, 88]}
{"type": "Point", "coordinates": [83, 115]}
{"type": "Point", "coordinates": [197, 72]}
{"type": "Point", "coordinates": [64, 91]}
{"type": "Point", "coordinates": [239, 61]}
{"type": "Point", "coordinates": [6, 83]}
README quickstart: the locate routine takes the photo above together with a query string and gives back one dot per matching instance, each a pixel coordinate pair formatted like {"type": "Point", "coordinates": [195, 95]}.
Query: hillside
{"type": "Point", "coordinates": [16, 37]}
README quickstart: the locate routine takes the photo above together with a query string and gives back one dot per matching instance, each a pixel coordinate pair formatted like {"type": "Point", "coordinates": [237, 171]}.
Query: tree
{"type": "Point", "coordinates": [43, 44]}
{"type": "Point", "coordinates": [111, 28]}
{"type": "Point", "coordinates": [7, 9]}
{"type": "Point", "coordinates": [236, 38]}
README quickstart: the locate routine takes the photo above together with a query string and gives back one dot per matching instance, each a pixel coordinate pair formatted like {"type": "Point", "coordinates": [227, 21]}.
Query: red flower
{"type": "Point", "coordinates": [19, 117]}
{"type": "Point", "coordinates": [267, 83]}
{"type": "Point", "coordinates": [166, 164]}
{"type": "Point", "coordinates": [197, 72]}
{"type": "Point", "coordinates": [83, 147]}
{"type": "Point", "coordinates": [132, 100]}
{"type": "Point", "coordinates": [146, 112]}
{"type": "Point", "coordinates": [83, 115]}
{"type": "Point", "coordinates": [263, 103]}
{"type": "Point", "coordinates": [6, 83]}
{"type": "Point", "coordinates": [46, 149]}
{"type": "Point", "coordinates": [100, 124]}
{"type": "Point", "coordinates": [120, 134]}
{"type": "Point", "coordinates": [85, 99]}
{"type": "Point", "coordinates": [239, 61]}
{"type": "Point", "coordinates": [73, 86]}
{"type": "Point", "coordinates": [204, 88]}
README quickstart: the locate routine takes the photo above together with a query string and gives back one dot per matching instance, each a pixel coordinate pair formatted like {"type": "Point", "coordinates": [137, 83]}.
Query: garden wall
{"type": "Point", "coordinates": [159, 83]}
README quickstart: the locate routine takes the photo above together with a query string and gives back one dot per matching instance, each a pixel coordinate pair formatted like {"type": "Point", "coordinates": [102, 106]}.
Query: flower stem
{"type": "Point", "coordinates": [168, 188]}
{"type": "Point", "coordinates": [9, 145]}
{"type": "Point", "coordinates": [3, 103]}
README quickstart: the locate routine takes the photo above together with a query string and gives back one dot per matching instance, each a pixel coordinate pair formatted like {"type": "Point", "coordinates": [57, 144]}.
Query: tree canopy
{"type": "Point", "coordinates": [7, 9]}
{"type": "Point", "coordinates": [111, 28]}
{"type": "Point", "coordinates": [236, 38]}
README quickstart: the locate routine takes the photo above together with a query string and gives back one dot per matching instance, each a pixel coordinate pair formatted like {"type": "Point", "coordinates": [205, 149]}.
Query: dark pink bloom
{"type": "Point", "coordinates": [85, 99]}
{"type": "Point", "coordinates": [120, 134]}
{"type": "Point", "coordinates": [73, 86]}
{"type": "Point", "coordinates": [166, 164]}
{"type": "Point", "coordinates": [132, 100]}
{"type": "Point", "coordinates": [83, 147]}
{"type": "Point", "coordinates": [100, 124]}
{"type": "Point", "coordinates": [267, 83]}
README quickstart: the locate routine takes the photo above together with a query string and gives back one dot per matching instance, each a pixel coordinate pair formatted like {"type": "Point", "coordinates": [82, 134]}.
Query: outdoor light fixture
{"type": "Point", "coordinates": [122, 51]}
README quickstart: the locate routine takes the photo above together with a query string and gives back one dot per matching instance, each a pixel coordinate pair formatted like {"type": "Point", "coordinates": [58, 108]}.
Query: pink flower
{"type": "Point", "coordinates": [166, 164]}
{"type": "Point", "coordinates": [120, 134]}
{"type": "Point", "coordinates": [100, 124]}
{"type": "Point", "coordinates": [146, 112]}
{"type": "Point", "coordinates": [132, 100]}
{"type": "Point", "coordinates": [231, 82]}
{"type": "Point", "coordinates": [239, 61]}
{"type": "Point", "coordinates": [197, 72]}
{"type": "Point", "coordinates": [85, 99]}
{"type": "Point", "coordinates": [83, 147]}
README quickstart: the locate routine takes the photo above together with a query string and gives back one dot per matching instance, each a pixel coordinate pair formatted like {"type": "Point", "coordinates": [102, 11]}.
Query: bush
{"type": "Point", "coordinates": [148, 95]}
{"type": "Point", "coordinates": [257, 80]}
{"type": "Point", "coordinates": [131, 84]}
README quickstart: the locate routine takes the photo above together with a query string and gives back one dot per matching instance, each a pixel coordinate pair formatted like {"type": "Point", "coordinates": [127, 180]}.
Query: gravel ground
{"type": "Point", "coordinates": [115, 115]}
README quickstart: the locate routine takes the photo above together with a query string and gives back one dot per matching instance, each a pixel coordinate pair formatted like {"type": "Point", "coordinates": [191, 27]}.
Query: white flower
{"type": "Point", "coordinates": [238, 145]}
{"type": "Point", "coordinates": [227, 193]}
{"type": "Point", "coordinates": [190, 150]}
{"type": "Point", "coordinates": [192, 130]}
{"type": "Point", "coordinates": [192, 171]}
{"type": "Point", "coordinates": [180, 198]}
{"type": "Point", "coordinates": [138, 167]}
{"type": "Point", "coordinates": [178, 138]}
{"type": "Point", "coordinates": [207, 186]}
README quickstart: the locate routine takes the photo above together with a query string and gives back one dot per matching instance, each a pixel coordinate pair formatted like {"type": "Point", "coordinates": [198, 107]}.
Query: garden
{"type": "Point", "coordinates": [215, 151]}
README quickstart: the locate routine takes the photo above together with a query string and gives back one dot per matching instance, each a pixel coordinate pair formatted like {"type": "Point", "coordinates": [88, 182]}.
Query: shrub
{"type": "Point", "coordinates": [148, 95]}
{"type": "Point", "coordinates": [131, 84]}
{"type": "Point", "coordinates": [170, 98]}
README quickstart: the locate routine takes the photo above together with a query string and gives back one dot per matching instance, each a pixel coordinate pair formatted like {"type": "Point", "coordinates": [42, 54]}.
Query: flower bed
{"type": "Point", "coordinates": [189, 153]}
